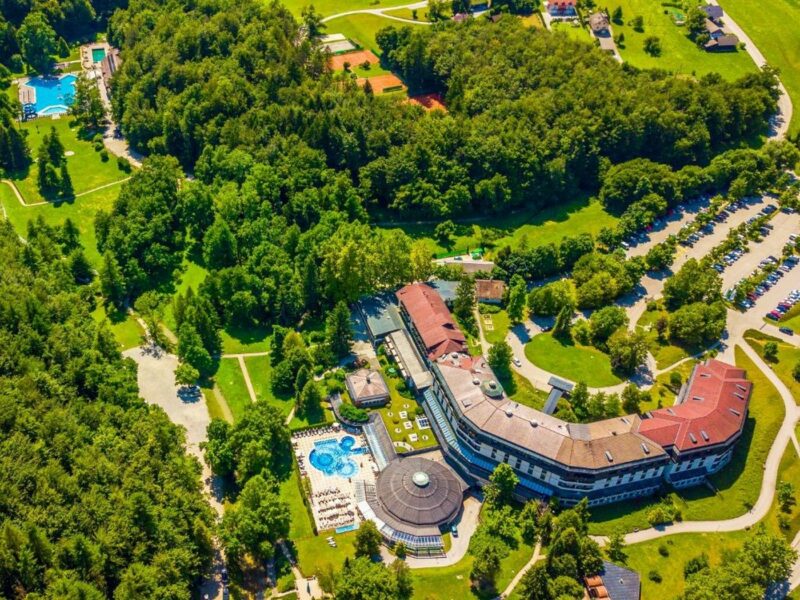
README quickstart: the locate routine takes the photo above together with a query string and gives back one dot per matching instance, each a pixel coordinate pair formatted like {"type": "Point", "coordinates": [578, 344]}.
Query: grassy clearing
{"type": "Point", "coordinates": [774, 31]}
{"type": "Point", "coordinates": [537, 228]}
{"type": "Point", "coordinates": [678, 53]}
{"type": "Point", "coordinates": [332, 7]}
{"type": "Point", "coordinates": [326, 418]}
{"type": "Point", "coordinates": [788, 357]}
{"type": "Point", "coordinates": [124, 326]}
{"type": "Point", "coordinates": [360, 28]}
{"type": "Point", "coordinates": [571, 360]}
{"type": "Point", "coordinates": [260, 371]}
{"type": "Point", "coordinates": [645, 558]}
{"type": "Point", "coordinates": [230, 379]}
{"type": "Point", "coordinates": [87, 169]}
{"type": "Point", "coordinates": [81, 210]}
{"type": "Point", "coordinates": [572, 30]}
{"type": "Point", "coordinates": [314, 555]}
{"type": "Point", "coordinates": [407, 13]}
{"type": "Point", "coordinates": [738, 484]}
{"type": "Point", "coordinates": [237, 340]}
{"type": "Point", "coordinates": [191, 277]}
{"type": "Point", "coordinates": [301, 526]}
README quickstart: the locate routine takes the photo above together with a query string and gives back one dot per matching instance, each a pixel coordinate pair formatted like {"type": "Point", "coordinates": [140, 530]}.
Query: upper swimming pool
{"type": "Point", "coordinates": [332, 456]}
{"type": "Point", "coordinates": [98, 54]}
{"type": "Point", "coordinates": [54, 95]}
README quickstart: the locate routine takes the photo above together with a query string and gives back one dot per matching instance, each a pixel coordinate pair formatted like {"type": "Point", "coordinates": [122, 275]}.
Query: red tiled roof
{"type": "Point", "coordinates": [713, 410]}
{"type": "Point", "coordinates": [432, 320]}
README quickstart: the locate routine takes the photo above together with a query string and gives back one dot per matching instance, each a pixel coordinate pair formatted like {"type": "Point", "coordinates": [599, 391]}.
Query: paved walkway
{"type": "Point", "coordinates": [381, 12]}
{"type": "Point", "coordinates": [521, 573]}
{"type": "Point", "coordinates": [248, 383]}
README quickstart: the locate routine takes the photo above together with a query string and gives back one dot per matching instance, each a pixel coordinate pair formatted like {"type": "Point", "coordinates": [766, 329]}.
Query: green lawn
{"type": "Point", "coordinates": [791, 319]}
{"type": "Point", "coordinates": [213, 402]}
{"type": "Point", "coordinates": [678, 53]}
{"type": "Point", "coordinates": [314, 555]}
{"type": "Point", "coordinates": [666, 353]}
{"type": "Point", "coordinates": [191, 277]}
{"type": "Point", "coordinates": [662, 392]}
{"type": "Point", "coordinates": [81, 210]}
{"type": "Point", "coordinates": [788, 357]}
{"type": "Point", "coordinates": [231, 381]}
{"type": "Point", "coordinates": [537, 228]}
{"type": "Point", "coordinates": [406, 13]}
{"type": "Point", "coordinates": [738, 484]}
{"type": "Point", "coordinates": [333, 7]}
{"type": "Point", "coordinates": [124, 326]}
{"type": "Point", "coordinates": [571, 360]}
{"type": "Point", "coordinates": [360, 28]}
{"type": "Point", "coordinates": [237, 340]}
{"type": "Point", "coordinates": [500, 326]}
{"type": "Point", "coordinates": [86, 168]}
{"type": "Point", "coordinates": [521, 390]}
{"type": "Point", "coordinates": [573, 30]}
{"type": "Point", "coordinates": [775, 33]}
{"type": "Point", "coordinates": [645, 557]}
{"type": "Point", "coordinates": [301, 526]}
{"type": "Point", "coordinates": [260, 371]}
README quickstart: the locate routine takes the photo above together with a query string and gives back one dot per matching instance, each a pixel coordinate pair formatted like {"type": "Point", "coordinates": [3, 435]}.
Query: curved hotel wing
{"type": "Point", "coordinates": [606, 461]}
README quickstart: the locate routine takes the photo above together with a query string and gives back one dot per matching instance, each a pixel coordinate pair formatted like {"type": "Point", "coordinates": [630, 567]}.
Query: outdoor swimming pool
{"type": "Point", "coordinates": [98, 54]}
{"type": "Point", "coordinates": [54, 95]}
{"type": "Point", "coordinates": [332, 456]}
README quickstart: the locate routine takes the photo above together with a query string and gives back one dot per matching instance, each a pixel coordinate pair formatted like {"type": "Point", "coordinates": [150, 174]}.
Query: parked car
{"type": "Point", "coordinates": [454, 530]}
{"type": "Point", "coordinates": [516, 361]}
{"type": "Point", "coordinates": [786, 330]}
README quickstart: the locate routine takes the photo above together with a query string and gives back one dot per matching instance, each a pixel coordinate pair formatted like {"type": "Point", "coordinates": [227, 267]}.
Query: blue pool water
{"type": "Point", "coordinates": [332, 456]}
{"type": "Point", "coordinates": [54, 95]}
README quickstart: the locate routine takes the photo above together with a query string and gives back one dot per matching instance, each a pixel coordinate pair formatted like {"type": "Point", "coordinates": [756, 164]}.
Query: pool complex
{"type": "Point", "coordinates": [98, 54]}
{"type": "Point", "coordinates": [54, 95]}
{"type": "Point", "coordinates": [332, 456]}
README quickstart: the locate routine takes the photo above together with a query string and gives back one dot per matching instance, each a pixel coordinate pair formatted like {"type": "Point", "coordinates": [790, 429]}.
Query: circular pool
{"type": "Point", "coordinates": [332, 457]}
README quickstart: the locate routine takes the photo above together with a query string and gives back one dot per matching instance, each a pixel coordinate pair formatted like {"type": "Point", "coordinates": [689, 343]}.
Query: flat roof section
{"type": "Point", "coordinates": [411, 365]}
{"type": "Point", "coordinates": [381, 314]}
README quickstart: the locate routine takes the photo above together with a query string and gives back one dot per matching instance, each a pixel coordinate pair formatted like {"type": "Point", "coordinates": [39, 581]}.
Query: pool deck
{"type": "Point", "coordinates": [333, 497]}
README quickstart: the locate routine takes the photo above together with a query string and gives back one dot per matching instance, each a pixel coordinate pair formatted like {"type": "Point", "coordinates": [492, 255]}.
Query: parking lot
{"type": "Point", "coordinates": [772, 244]}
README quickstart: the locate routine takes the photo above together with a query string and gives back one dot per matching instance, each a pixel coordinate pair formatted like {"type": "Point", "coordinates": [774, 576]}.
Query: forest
{"type": "Point", "coordinates": [531, 121]}
{"type": "Point", "coordinates": [97, 496]}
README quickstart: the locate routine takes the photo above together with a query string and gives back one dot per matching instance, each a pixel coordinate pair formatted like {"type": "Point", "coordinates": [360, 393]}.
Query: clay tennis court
{"type": "Point", "coordinates": [429, 101]}
{"type": "Point", "coordinates": [381, 82]}
{"type": "Point", "coordinates": [354, 58]}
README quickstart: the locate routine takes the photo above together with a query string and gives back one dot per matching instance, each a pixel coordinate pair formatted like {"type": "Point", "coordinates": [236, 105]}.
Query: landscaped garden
{"type": "Point", "coordinates": [494, 322]}
{"type": "Point", "coordinates": [665, 351]}
{"type": "Point", "coordinates": [534, 227]}
{"type": "Point", "coordinates": [571, 360]}
{"type": "Point", "coordinates": [125, 327]}
{"type": "Point", "coordinates": [667, 385]}
{"type": "Point", "coordinates": [738, 484]}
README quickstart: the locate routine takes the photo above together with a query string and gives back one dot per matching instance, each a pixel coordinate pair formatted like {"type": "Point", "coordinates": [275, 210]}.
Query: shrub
{"type": "Point", "coordinates": [352, 413]}
{"type": "Point", "coordinates": [123, 165]}
{"type": "Point", "coordinates": [98, 146]}
{"type": "Point", "coordinates": [663, 550]}
{"type": "Point", "coordinates": [654, 576]}
{"type": "Point", "coordinates": [652, 45]}
{"type": "Point", "coordinates": [104, 155]}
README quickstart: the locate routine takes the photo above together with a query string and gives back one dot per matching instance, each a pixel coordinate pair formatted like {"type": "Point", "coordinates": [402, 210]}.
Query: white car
{"type": "Point", "coordinates": [516, 361]}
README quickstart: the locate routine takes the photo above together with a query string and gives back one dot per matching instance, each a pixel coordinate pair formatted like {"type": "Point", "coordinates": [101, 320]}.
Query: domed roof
{"type": "Point", "coordinates": [420, 491]}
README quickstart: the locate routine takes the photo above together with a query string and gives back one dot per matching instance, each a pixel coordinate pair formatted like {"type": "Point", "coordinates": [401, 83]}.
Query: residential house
{"type": "Point", "coordinates": [724, 43]}
{"type": "Point", "coordinates": [600, 24]}
{"type": "Point", "coordinates": [562, 8]}
{"type": "Point", "coordinates": [713, 12]}
{"type": "Point", "coordinates": [714, 31]}
{"type": "Point", "coordinates": [490, 291]}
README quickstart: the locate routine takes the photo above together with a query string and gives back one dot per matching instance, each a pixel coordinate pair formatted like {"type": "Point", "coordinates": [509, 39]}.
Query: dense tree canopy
{"type": "Point", "coordinates": [97, 493]}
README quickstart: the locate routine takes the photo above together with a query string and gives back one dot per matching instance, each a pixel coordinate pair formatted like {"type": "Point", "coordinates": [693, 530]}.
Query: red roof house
{"type": "Point", "coordinates": [711, 411]}
{"type": "Point", "coordinates": [432, 320]}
